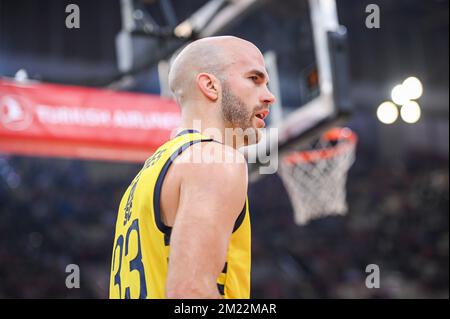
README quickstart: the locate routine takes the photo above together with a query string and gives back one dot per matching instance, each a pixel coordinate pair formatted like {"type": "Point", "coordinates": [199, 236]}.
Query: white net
{"type": "Point", "coordinates": [316, 179]}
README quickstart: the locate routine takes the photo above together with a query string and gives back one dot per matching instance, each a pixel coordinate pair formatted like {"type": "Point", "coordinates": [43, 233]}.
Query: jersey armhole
{"type": "Point", "coordinates": [158, 186]}
{"type": "Point", "coordinates": [240, 218]}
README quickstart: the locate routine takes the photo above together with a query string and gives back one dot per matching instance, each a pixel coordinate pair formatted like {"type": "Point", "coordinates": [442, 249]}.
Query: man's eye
{"type": "Point", "coordinates": [254, 78]}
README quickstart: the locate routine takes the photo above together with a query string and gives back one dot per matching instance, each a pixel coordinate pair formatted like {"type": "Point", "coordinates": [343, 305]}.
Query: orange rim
{"type": "Point", "coordinates": [345, 137]}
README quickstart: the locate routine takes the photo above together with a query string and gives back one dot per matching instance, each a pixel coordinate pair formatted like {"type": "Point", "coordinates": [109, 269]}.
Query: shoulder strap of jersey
{"type": "Point", "coordinates": [178, 145]}
{"type": "Point", "coordinates": [181, 142]}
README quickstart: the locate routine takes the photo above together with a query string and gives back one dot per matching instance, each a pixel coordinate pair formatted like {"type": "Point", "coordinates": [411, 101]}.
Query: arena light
{"type": "Point", "coordinates": [387, 113]}
{"type": "Point", "coordinates": [399, 95]}
{"type": "Point", "coordinates": [410, 112]}
{"type": "Point", "coordinates": [412, 87]}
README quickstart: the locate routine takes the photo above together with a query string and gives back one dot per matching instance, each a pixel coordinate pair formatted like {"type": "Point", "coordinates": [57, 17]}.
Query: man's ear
{"type": "Point", "coordinates": [208, 85]}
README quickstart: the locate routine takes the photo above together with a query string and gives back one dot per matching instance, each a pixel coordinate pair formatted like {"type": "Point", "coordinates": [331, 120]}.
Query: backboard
{"type": "Point", "coordinates": [309, 77]}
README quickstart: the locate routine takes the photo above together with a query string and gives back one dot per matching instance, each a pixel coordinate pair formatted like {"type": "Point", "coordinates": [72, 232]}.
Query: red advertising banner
{"type": "Point", "coordinates": [39, 119]}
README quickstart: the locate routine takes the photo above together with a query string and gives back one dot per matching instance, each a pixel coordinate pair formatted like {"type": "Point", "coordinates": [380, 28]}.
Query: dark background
{"type": "Point", "coordinates": [55, 212]}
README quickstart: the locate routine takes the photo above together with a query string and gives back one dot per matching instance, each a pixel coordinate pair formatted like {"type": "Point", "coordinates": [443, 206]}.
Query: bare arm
{"type": "Point", "coordinates": [211, 197]}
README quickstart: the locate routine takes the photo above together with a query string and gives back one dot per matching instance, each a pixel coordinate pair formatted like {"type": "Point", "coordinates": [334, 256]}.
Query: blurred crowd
{"type": "Point", "coordinates": [397, 220]}
{"type": "Point", "coordinates": [56, 212]}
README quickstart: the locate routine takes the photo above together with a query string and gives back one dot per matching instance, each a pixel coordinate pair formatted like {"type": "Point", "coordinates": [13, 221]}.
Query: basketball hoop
{"type": "Point", "coordinates": [315, 179]}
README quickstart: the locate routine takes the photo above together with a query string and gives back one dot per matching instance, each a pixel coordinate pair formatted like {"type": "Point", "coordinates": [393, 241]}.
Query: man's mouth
{"type": "Point", "coordinates": [261, 115]}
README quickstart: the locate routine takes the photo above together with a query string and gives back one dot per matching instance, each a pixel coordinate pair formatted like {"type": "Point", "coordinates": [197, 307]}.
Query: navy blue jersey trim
{"type": "Point", "coordinates": [240, 218]}
{"type": "Point", "coordinates": [157, 193]}
{"type": "Point", "coordinates": [190, 131]}
{"type": "Point", "coordinates": [221, 289]}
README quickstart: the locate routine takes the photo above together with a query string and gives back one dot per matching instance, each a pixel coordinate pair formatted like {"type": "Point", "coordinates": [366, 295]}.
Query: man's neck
{"type": "Point", "coordinates": [207, 126]}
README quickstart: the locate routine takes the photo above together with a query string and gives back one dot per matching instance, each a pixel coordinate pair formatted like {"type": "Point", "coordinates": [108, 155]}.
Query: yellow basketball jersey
{"type": "Point", "coordinates": [142, 241]}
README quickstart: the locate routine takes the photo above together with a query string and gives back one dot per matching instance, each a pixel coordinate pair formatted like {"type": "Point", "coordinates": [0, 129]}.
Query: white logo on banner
{"type": "Point", "coordinates": [15, 113]}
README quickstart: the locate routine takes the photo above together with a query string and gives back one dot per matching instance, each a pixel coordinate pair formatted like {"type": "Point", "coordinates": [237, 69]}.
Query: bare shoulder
{"type": "Point", "coordinates": [214, 174]}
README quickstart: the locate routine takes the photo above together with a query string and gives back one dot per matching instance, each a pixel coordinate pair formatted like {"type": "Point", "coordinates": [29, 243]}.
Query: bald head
{"type": "Point", "coordinates": [208, 55]}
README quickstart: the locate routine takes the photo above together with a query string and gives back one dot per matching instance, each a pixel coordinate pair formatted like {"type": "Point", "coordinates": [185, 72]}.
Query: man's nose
{"type": "Point", "coordinates": [268, 98]}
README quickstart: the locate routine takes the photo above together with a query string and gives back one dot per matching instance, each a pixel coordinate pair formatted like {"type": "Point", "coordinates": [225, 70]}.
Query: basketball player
{"type": "Point", "coordinates": [183, 226]}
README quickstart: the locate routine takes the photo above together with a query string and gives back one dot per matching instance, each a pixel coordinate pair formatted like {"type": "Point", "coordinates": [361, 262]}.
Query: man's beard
{"type": "Point", "coordinates": [236, 116]}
